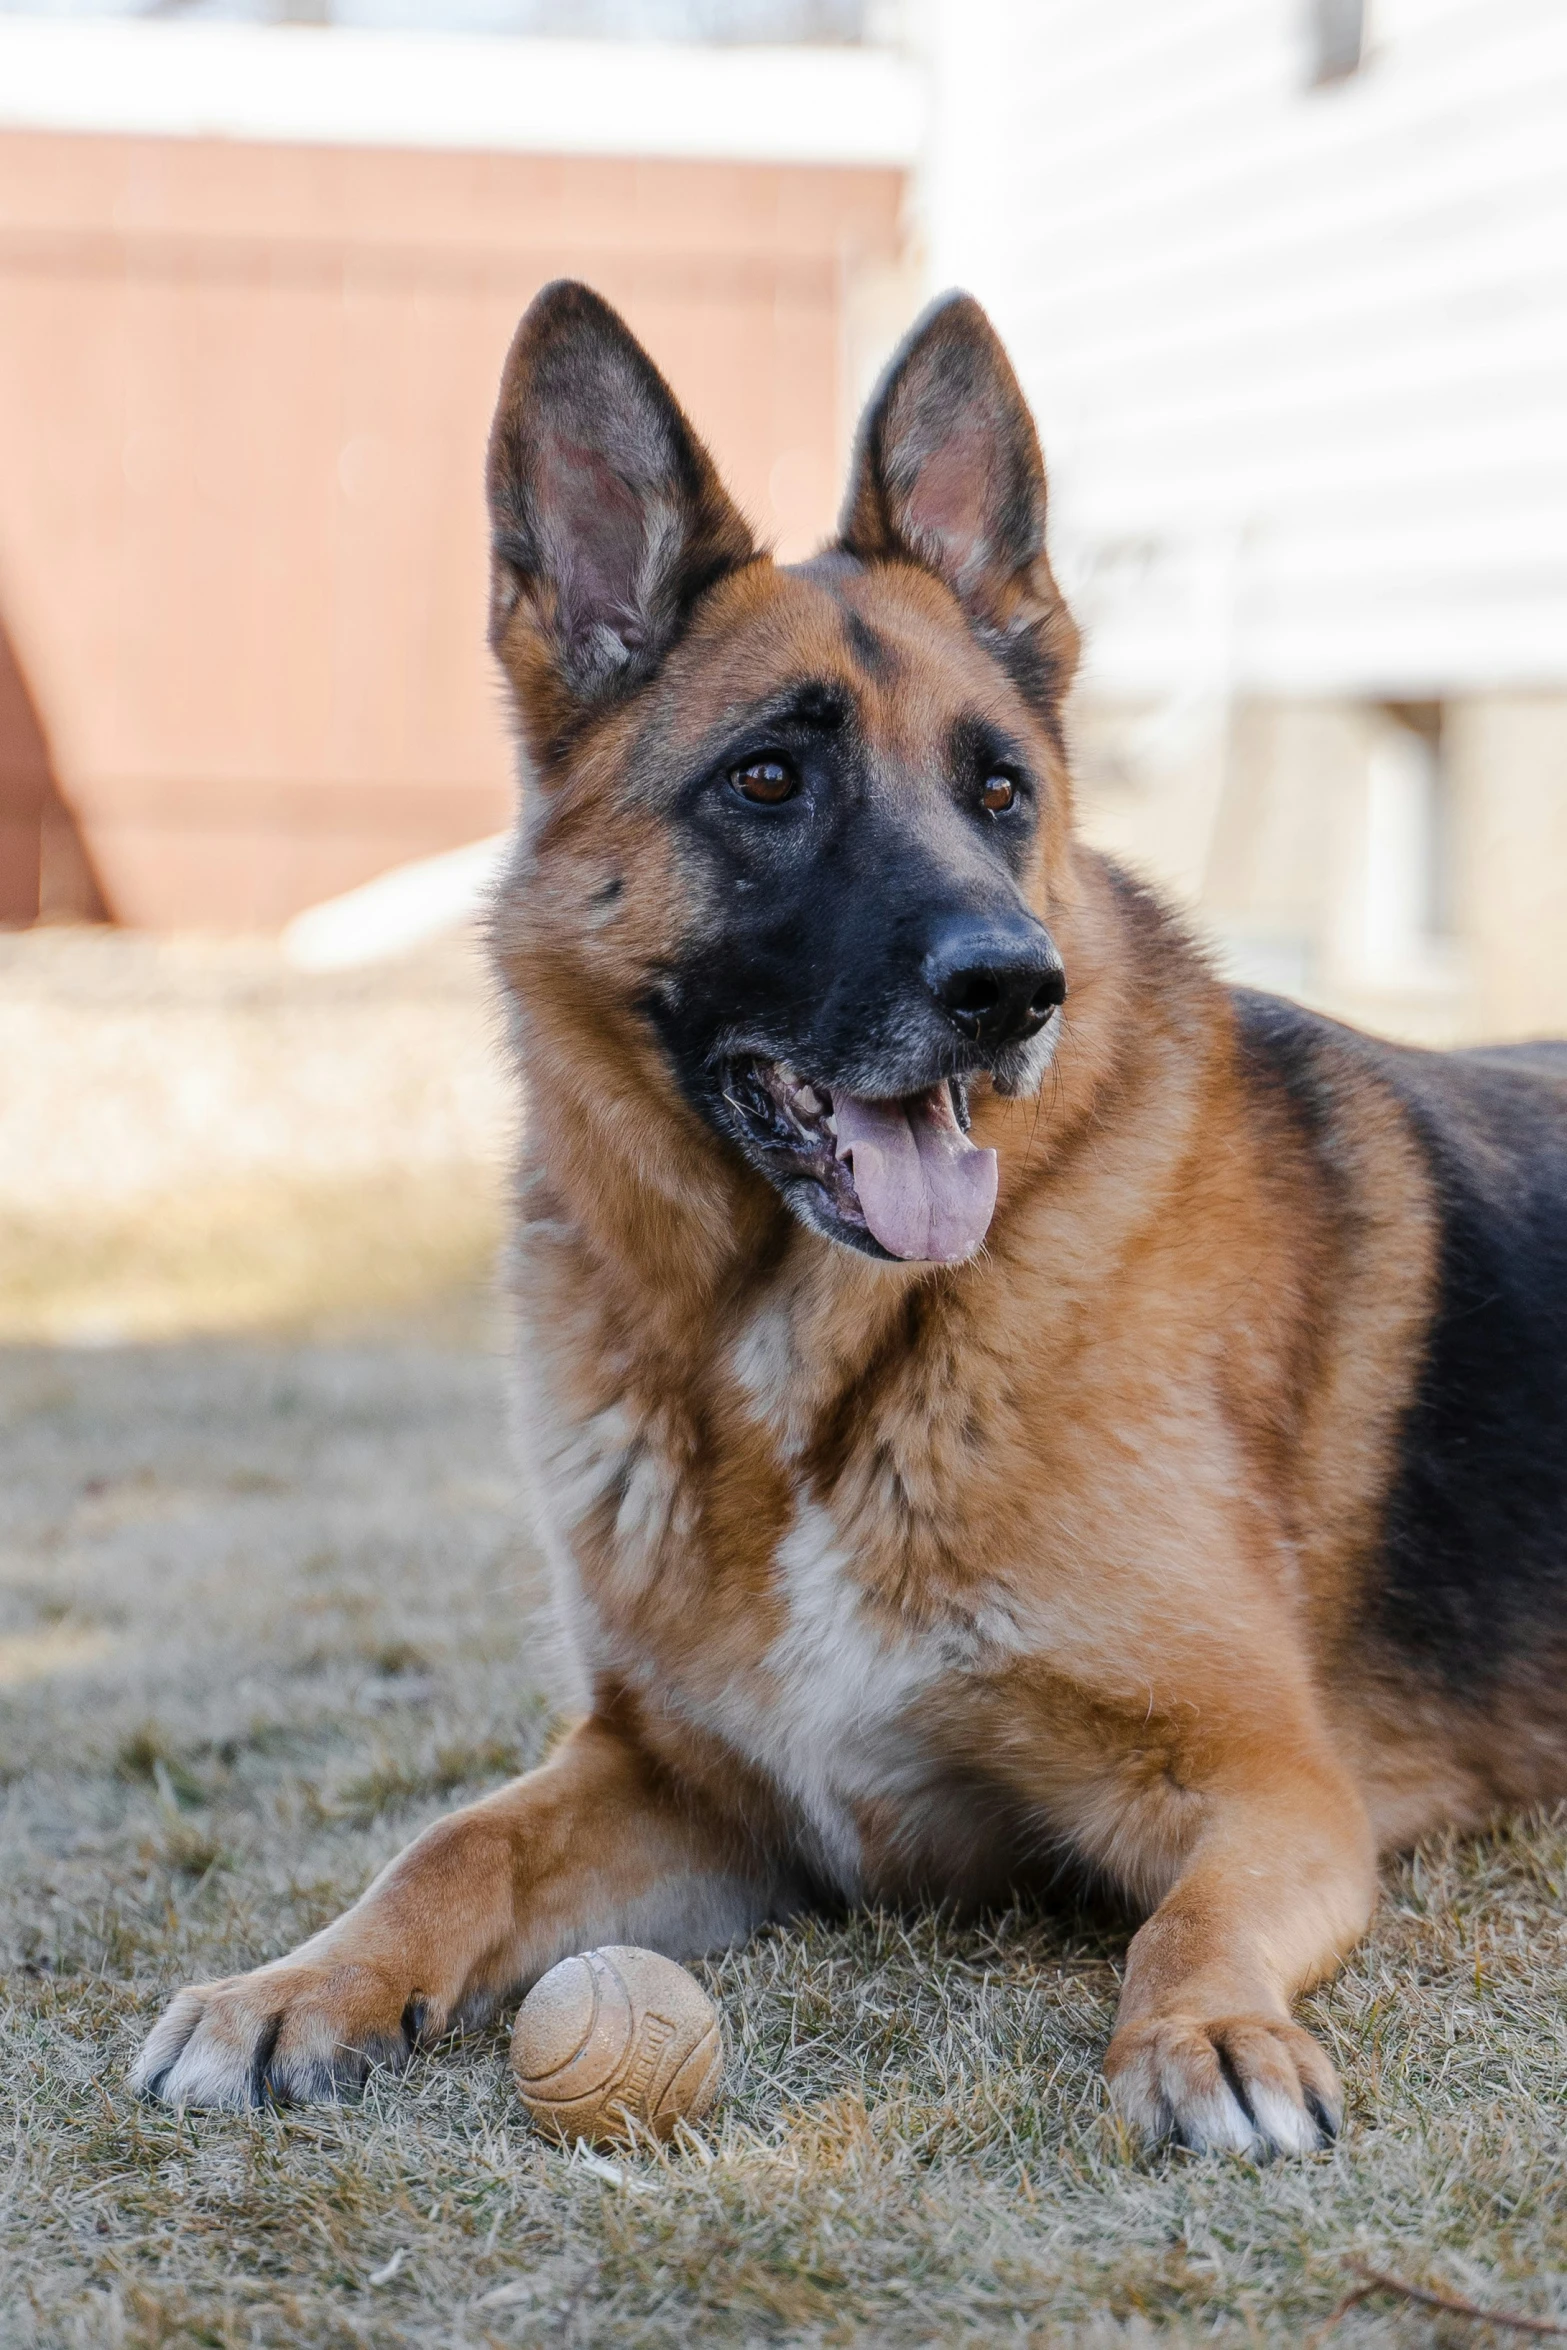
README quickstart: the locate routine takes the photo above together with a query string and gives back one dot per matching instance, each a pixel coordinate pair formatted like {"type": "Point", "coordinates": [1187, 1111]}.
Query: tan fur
{"type": "Point", "coordinates": [890, 1580]}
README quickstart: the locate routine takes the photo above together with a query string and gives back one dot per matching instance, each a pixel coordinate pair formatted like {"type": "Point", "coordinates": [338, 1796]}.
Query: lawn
{"type": "Point", "coordinates": [266, 1610]}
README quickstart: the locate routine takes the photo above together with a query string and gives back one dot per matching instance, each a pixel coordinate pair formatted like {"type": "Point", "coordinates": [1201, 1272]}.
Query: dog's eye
{"type": "Point", "coordinates": [765, 781]}
{"type": "Point", "coordinates": [999, 794]}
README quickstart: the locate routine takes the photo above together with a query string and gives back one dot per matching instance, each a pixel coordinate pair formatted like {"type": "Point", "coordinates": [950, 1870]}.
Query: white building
{"type": "Point", "coordinates": [1287, 283]}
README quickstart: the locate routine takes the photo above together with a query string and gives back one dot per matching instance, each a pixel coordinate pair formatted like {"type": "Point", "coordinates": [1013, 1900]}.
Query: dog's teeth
{"type": "Point", "coordinates": [809, 1100]}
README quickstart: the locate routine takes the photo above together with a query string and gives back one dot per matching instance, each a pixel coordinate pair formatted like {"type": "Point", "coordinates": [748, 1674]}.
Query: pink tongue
{"type": "Point", "coordinates": [926, 1191]}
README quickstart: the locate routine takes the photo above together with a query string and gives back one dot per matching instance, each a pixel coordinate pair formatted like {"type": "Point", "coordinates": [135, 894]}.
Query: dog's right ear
{"type": "Point", "coordinates": [948, 475]}
{"type": "Point", "coordinates": [608, 517]}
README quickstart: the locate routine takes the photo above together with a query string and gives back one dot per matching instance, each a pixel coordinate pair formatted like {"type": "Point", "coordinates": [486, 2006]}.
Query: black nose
{"type": "Point", "coordinates": [998, 982]}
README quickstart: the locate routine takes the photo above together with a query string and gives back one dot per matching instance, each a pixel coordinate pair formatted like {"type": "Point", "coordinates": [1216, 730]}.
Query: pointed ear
{"type": "Point", "coordinates": [608, 518]}
{"type": "Point", "coordinates": [947, 474]}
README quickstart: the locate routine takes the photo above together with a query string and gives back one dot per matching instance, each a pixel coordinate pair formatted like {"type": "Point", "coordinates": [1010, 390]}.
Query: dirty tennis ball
{"type": "Point", "coordinates": [612, 2033]}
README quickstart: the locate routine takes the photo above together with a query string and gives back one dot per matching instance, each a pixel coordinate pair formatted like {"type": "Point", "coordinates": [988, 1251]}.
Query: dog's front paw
{"type": "Point", "coordinates": [296, 2032]}
{"type": "Point", "coordinates": [1246, 2084]}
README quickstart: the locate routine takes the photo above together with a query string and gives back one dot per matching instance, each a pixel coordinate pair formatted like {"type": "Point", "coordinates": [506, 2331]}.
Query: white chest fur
{"type": "Point", "coordinates": [829, 1714]}
{"type": "Point", "coordinates": [828, 1711]}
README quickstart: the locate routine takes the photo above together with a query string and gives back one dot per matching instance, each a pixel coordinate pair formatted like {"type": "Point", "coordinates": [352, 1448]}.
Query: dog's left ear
{"type": "Point", "coordinates": [608, 518]}
{"type": "Point", "coordinates": [947, 474]}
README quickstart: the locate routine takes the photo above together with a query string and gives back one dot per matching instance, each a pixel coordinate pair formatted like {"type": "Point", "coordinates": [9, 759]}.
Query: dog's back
{"type": "Point", "coordinates": [1468, 1589]}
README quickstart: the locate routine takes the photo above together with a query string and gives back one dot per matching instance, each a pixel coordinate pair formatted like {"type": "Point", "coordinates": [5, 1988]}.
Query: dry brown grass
{"type": "Point", "coordinates": [267, 1253]}
{"type": "Point", "coordinates": [264, 1609]}
{"type": "Point", "coordinates": [299, 1610]}
{"type": "Point", "coordinates": [198, 1138]}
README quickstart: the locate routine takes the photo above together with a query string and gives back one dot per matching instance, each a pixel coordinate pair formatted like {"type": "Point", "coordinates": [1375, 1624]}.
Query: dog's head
{"type": "Point", "coordinates": [793, 834]}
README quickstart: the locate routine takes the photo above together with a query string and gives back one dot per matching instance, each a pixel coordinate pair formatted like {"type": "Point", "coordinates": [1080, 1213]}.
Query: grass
{"type": "Point", "coordinates": [268, 1253]}
{"type": "Point", "coordinates": [264, 1609]}
{"type": "Point", "coordinates": [199, 1138]}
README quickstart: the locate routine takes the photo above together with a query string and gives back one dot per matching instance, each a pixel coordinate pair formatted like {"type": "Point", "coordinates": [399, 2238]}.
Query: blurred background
{"type": "Point", "coordinates": [1285, 279]}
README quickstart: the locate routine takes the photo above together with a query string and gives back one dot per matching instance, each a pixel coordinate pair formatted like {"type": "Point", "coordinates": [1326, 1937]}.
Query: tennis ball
{"type": "Point", "coordinates": [616, 2033]}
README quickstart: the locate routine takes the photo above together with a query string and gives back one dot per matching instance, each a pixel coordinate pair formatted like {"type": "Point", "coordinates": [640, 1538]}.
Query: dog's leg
{"type": "Point", "coordinates": [592, 1847]}
{"type": "Point", "coordinates": [1276, 1887]}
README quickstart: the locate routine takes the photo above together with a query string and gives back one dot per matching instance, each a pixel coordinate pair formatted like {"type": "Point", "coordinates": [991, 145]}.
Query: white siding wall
{"type": "Point", "coordinates": [1299, 355]}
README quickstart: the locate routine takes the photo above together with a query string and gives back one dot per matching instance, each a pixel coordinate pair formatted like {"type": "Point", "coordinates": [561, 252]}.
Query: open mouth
{"type": "Point", "coordinates": [896, 1177]}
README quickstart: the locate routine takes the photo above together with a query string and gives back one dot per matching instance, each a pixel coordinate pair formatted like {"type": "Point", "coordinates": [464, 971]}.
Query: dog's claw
{"type": "Point", "coordinates": [290, 2034]}
{"type": "Point", "coordinates": [1252, 2085]}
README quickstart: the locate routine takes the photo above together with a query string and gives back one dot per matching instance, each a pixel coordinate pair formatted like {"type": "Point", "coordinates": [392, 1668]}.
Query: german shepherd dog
{"type": "Point", "coordinates": [999, 1400]}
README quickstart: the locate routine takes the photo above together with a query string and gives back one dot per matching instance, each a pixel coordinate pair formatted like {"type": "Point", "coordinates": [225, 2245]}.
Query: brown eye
{"type": "Point", "coordinates": [999, 794]}
{"type": "Point", "coordinates": [765, 781]}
